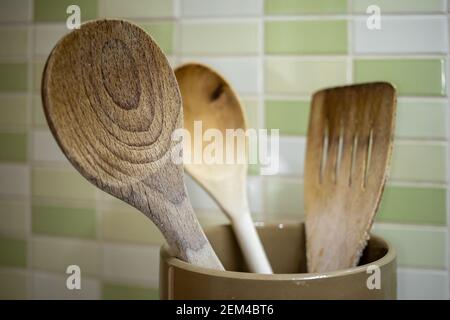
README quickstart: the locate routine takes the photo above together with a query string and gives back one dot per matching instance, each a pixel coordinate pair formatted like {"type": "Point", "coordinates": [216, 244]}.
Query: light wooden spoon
{"type": "Point", "coordinates": [349, 145]}
{"type": "Point", "coordinates": [112, 102]}
{"type": "Point", "coordinates": [208, 98]}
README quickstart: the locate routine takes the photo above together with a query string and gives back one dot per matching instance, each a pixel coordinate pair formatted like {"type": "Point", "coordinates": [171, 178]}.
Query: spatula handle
{"type": "Point", "coordinates": [250, 244]}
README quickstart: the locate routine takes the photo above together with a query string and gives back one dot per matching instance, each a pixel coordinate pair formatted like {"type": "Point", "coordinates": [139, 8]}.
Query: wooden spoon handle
{"type": "Point", "coordinates": [250, 244]}
{"type": "Point", "coordinates": [162, 196]}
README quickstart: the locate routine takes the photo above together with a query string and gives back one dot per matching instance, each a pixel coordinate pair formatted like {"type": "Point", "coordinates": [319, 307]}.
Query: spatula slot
{"type": "Point", "coordinates": [339, 153]}
{"type": "Point", "coordinates": [353, 159]}
{"type": "Point", "coordinates": [368, 158]}
{"type": "Point", "coordinates": [324, 155]}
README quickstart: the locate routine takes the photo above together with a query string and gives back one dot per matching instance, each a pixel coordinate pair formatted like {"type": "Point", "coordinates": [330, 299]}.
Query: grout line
{"type": "Point", "coordinates": [410, 227]}
{"type": "Point", "coordinates": [448, 146]}
{"type": "Point", "coordinates": [261, 105]}
{"type": "Point", "coordinates": [29, 115]}
{"type": "Point", "coordinates": [350, 40]}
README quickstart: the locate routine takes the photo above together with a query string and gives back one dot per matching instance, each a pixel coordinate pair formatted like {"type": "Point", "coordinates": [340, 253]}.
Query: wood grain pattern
{"type": "Point", "coordinates": [209, 99]}
{"type": "Point", "coordinates": [349, 147]}
{"type": "Point", "coordinates": [112, 102]}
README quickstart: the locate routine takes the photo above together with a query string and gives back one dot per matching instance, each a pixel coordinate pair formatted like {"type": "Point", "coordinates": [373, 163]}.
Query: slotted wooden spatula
{"type": "Point", "coordinates": [349, 145]}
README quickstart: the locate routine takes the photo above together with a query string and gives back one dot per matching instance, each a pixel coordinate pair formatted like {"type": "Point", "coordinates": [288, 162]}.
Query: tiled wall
{"type": "Point", "coordinates": [275, 53]}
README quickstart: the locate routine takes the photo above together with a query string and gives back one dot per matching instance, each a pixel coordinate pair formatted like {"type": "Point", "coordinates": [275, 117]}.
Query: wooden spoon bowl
{"type": "Point", "coordinates": [112, 102]}
{"type": "Point", "coordinates": [208, 99]}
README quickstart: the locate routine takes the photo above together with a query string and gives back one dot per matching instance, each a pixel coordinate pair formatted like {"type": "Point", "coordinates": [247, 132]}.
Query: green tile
{"type": "Point", "coordinates": [38, 70]}
{"type": "Point", "coordinates": [137, 8]}
{"type": "Point", "coordinates": [13, 77]}
{"type": "Point", "coordinates": [219, 38]}
{"type": "Point", "coordinates": [291, 117]}
{"type": "Point", "coordinates": [13, 252]}
{"type": "Point", "coordinates": [13, 146]}
{"type": "Point", "coordinates": [14, 41]}
{"type": "Point", "coordinates": [413, 205]}
{"type": "Point", "coordinates": [13, 110]}
{"type": "Point", "coordinates": [306, 37]}
{"type": "Point", "coordinates": [60, 183]}
{"type": "Point", "coordinates": [15, 10]}
{"type": "Point", "coordinates": [305, 6]}
{"type": "Point", "coordinates": [416, 247]}
{"type": "Point", "coordinates": [290, 75]}
{"type": "Point", "coordinates": [112, 291]}
{"type": "Point", "coordinates": [400, 6]}
{"type": "Point", "coordinates": [421, 119]}
{"type": "Point", "coordinates": [254, 169]}
{"type": "Point", "coordinates": [13, 218]}
{"type": "Point", "coordinates": [412, 77]}
{"type": "Point", "coordinates": [55, 10]}
{"type": "Point", "coordinates": [162, 33]}
{"type": "Point", "coordinates": [61, 221]}
{"type": "Point", "coordinates": [419, 162]}
{"type": "Point", "coordinates": [13, 284]}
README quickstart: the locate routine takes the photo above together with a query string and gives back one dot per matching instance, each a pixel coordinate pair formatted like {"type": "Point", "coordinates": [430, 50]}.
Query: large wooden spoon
{"type": "Point", "coordinates": [112, 102]}
{"type": "Point", "coordinates": [350, 138]}
{"type": "Point", "coordinates": [208, 98]}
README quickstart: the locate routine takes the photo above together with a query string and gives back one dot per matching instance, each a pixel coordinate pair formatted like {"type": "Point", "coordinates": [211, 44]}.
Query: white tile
{"type": "Point", "coordinates": [128, 262]}
{"type": "Point", "coordinates": [46, 37]}
{"type": "Point", "coordinates": [56, 254]}
{"type": "Point", "coordinates": [202, 202]}
{"type": "Point", "coordinates": [48, 286]}
{"type": "Point", "coordinates": [402, 35]}
{"type": "Point", "coordinates": [15, 10]}
{"type": "Point", "coordinates": [255, 194]}
{"type": "Point", "coordinates": [401, 6]}
{"type": "Point", "coordinates": [292, 155]}
{"type": "Point", "coordinates": [291, 75]}
{"type": "Point", "coordinates": [242, 73]}
{"type": "Point", "coordinates": [15, 179]}
{"type": "Point", "coordinates": [422, 284]}
{"type": "Point", "coordinates": [208, 8]}
{"type": "Point", "coordinates": [45, 147]}
{"type": "Point", "coordinates": [200, 199]}
{"type": "Point", "coordinates": [13, 284]}
{"type": "Point", "coordinates": [283, 198]}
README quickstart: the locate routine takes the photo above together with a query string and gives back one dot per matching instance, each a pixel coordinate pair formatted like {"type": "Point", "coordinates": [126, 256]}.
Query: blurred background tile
{"type": "Point", "coordinates": [14, 77]}
{"type": "Point", "coordinates": [219, 8]}
{"type": "Point", "coordinates": [306, 37]}
{"type": "Point", "coordinates": [290, 75]}
{"type": "Point", "coordinates": [401, 6]}
{"type": "Point", "coordinates": [205, 38]}
{"type": "Point", "coordinates": [117, 291]}
{"type": "Point", "coordinates": [15, 42]}
{"type": "Point", "coordinates": [411, 77]}
{"type": "Point", "coordinates": [16, 11]}
{"type": "Point", "coordinates": [136, 8]}
{"type": "Point", "coordinates": [13, 252]}
{"type": "Point", "coordinates": [402, 35]}
{"type": "Point", "coordinates": [56, 10]}
{"type": "Point", "coordinates": [305, 6]}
